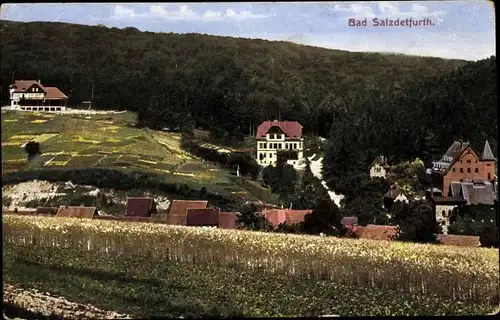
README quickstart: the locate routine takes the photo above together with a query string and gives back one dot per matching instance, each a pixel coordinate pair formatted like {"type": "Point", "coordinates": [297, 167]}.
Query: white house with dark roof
{"type": "Point", "coordinates": [379, 168]}
{"type": "Point", "coordinates": [31, 95]}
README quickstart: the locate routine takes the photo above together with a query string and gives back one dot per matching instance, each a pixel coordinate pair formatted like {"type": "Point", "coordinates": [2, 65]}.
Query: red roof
{"type": "Point", "coordinates": [139, 206]}
{"type": "Point", "coordinates": [227, 220]}
{"type": "Point", "coordinates": [459, 240]}
{"type": "Point", "coordinates": [279, 216]}
{"type": "Point", "coordinates": [77, 212]}
{"type": "Point", "coordinates": [291, 129]}
{"type": "Point", "coordinates": [23, 85]}
{"type": "Point", "coordinates": [202, 217]}
{"type": "Point", "coordinates": [179, 207]}
{"type": "Point", "coordinates": [53, 93]}
{"type": "Point", "coordinates": [377, 232]}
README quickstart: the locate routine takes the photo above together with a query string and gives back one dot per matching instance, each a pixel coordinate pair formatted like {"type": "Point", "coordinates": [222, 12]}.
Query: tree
{"type": "Point", "coordinates": [417, 223]}
{"type": "Point", "coordinates": [250, 219]}
{"type": "Point", "coordinates": [325, 218]}
{"type": "Point", "coordinates": [476, 220]}
{"type": "Point", "coordinates": [32, 149]}
{"type": "Point", "coordinates": [307, 189]}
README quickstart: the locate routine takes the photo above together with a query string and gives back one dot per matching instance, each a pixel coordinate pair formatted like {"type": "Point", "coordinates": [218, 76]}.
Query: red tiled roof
{"type": "Point", "coordinates": [139, 206]}
{"type": "Point", "coordinates": [77, 212]}
{"type": "Point", "coordinates": [22, 85]}
{"type": "Point", "coordinates": [227, 220]}
{"type": "Point", "coordinates": [46, 210]}
{"type": "Point", "coordinates": [459, 240]}
{"type": "Point", "coordinates": [53, 93]}
{"type": "Point", "coordinates": [179, 207]}
{"type": "Point", "coordinates": [279, 216]}
{"type": "Point", "coordinates": [291, 129]}
{"type": "Point", "coordinates": [202, 217]}
{"type": "Point", "coordinates": [377, 232]}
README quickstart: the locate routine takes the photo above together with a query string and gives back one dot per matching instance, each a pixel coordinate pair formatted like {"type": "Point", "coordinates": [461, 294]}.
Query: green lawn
{"type": "Point", "coordinates": [132, 285]}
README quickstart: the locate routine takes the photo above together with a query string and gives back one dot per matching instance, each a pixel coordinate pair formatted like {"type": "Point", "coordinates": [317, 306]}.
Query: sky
{"type": "Point", "coordinates": [457, 29]}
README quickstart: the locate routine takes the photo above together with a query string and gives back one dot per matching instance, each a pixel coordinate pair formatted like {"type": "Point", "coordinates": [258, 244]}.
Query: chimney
{"type": "Point", "coordinates": [39, 81]}
{"type": "Point", "coordinates": [275, 120]}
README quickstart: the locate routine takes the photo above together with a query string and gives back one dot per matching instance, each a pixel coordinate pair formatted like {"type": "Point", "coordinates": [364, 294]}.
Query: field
{"type": "Point", "coordinates": [79, 141]}
{"type": "Point", "coordinates": [150, 270]}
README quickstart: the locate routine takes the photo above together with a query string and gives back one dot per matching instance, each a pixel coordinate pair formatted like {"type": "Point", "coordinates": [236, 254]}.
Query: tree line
{"type": "Point", "coordinates": [218, 83]}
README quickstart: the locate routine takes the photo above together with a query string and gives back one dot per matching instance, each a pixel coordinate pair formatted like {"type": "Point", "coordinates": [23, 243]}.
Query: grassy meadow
{"type": "Point", "coordinates": [149, 270]}
{"type": "Point", "coordinates": [82, 141]}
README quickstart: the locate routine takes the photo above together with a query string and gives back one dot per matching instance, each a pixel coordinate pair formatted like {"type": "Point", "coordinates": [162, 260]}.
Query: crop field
{"type": "Point", "coordinates": [160, 270]}
{"type": "Point", "coordinates": [81, 141]}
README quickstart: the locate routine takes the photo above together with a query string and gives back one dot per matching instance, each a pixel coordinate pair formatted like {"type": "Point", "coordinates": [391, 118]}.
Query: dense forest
{"type": "Point", "coordinates": [226, 84]}
{"type": "Point", "coordinates": [418, 121]}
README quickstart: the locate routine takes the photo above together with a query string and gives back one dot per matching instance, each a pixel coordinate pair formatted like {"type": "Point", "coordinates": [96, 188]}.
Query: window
{"type": "Point", "coordinates": [468, 161]}
{"type": "Point", "coordinates": [461, 169]}
{"type": "Point", "coordinates": [280, 145]}
{"type": "Point", "coordinates": [489, 176]}
{"type": "Point", "coordinates": [273, 136]}
{"type": "Point", "coordinates": [489, 164]}
{"type": "Point", "coordinates": [275, 146]}
{"type": "Point", "coordinates": [476, 170]}
{"type": "Point", "coordinates": [453, 169]}
{"type": "Point", "coordinates": [286, 145]}
{"type": "Point", "coordinates": [476, 160]}
{"type": "Point", "coordinates": [468, 170]}
{"type": "Point", "coordinates": [265, 145]}
{"type": "Point", "coordinates": [295, 145]}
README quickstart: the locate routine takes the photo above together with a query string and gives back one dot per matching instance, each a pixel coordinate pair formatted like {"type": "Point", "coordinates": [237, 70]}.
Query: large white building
{"type": "Point", "coordinates": [31, 95]}
{"type": "Point", "coordinates": [279, 139]}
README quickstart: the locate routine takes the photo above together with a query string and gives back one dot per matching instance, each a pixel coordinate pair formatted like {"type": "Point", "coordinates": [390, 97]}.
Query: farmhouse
{"type": "Point", "coordinates": [379, 168]}
{"type": "Point", "coordinates": [279, 139]}
{"type": "Point", "coordinates": [33, 96]}
{"type": "Point", "coordinates": [77, 212]}
{"type": "Point", "coordinates": [279, 216]}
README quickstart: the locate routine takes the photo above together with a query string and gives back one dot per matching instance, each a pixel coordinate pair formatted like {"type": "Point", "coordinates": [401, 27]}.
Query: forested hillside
{"type": "Point", "coordinates": [417, 121]}
{"type": "Point", "coordinates": [227, 84]}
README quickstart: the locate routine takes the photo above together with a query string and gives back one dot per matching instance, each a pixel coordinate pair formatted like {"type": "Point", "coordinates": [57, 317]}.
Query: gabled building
{"type": "Point", "coordinates": [279, 139]}
{"type": "Point", "coordinates": [140, 207]}
{"type": "Point", "coordinates": [77, 212]}
{"type": "Point", "coordinates": [460, 163]}
{"type": "Point", "coordinates": [379, 168]}
{"type": "Point", "coordinates": [31, 95]}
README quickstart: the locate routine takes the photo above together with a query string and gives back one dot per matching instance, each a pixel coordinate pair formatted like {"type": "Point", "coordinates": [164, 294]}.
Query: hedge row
{"type": "Point", "coordinates": [121, 180]}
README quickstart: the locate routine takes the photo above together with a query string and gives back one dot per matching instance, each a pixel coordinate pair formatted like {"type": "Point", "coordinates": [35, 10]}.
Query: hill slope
{"type": "Point", "coordinates": [229, 83]}
{"type": "Point", "coordinates": [421, 121]}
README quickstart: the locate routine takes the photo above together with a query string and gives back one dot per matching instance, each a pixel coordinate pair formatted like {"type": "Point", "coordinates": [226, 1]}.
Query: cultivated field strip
{"type": "Point", "coordinates": [465, 274]}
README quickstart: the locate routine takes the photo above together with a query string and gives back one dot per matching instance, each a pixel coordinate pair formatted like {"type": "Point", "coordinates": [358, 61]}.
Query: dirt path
{"type": "Point", "coordinates": [37, 302]}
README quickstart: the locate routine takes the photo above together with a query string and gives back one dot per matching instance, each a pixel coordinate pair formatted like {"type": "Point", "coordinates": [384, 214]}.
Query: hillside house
{"type": "Point", "coordinates": [208, 217]}
{"type": "Point", "coordinates": [178, 210]}
{"type": "Point", "coordinates": [31, 95]}
{"type": "Point", "coordinates": [140, 207]}
{"type": "Point", "coordinates": [279, 139]}
{"type": "Point", "coordinates": [77, 212]}
{"type": "Point", "coordinates": [290, 217]}
{"type": "Point", "coordinates": [379, 168]}
{"type": "Point", "coordinates": [462, 163]}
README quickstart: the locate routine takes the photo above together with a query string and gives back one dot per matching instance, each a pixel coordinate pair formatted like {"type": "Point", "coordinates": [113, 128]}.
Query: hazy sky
{"type": "Point", "coordinates": [461, 29]}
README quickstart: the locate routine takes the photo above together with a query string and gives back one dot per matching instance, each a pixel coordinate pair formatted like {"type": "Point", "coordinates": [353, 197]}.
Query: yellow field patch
{"type": "Point", "coordinates": [82, 139]}
{"type": "Point", "coordinates": [11, 143]}
{"type": "Point", "coordinates": [184, 174]}
{"type": "Point", "coordinates": [45, 136]}
{"type": "Point", "coordinates": [14, 160]}
{"type": "Point", "coordinates": [58, 163]}
{"type": "Point", "coordinates": [113, 140]}
{"type": "Point", "coordinates": [39, 121]}
{"type": "Point", "coordinates": [10, 120]}
{"type": "Point", "coordinates": [110, 128]}
{"type": "Point", "coordinates": [148, 161]}
{"type": "Point", "coordinates": [132, 137]}
{"type": "Point", "coordinates": [162, 170]}
{"type": "Point", "coordinates": [24, 137]}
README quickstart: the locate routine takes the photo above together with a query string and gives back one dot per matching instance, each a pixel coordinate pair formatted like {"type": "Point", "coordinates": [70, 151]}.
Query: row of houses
{"type": "Point", "coordinates": [196, 213]}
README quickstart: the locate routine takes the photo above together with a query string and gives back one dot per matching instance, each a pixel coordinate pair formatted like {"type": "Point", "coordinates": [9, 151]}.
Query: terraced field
{"type": "Point", "coordinates": [83, 141]}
